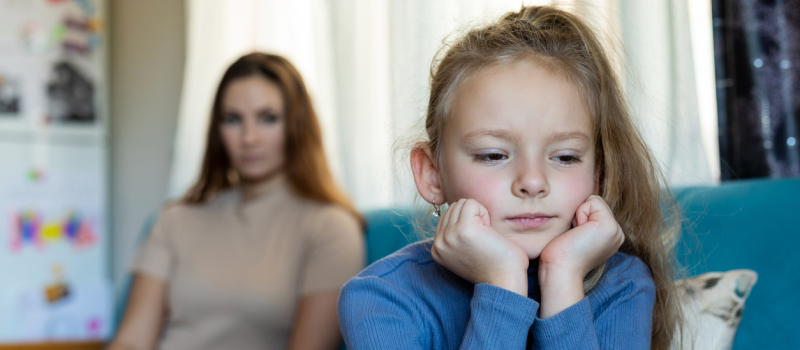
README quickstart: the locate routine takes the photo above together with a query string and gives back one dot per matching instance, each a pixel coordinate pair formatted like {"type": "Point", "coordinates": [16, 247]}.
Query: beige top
{"type": "Point", "coordinates": [236, 269]}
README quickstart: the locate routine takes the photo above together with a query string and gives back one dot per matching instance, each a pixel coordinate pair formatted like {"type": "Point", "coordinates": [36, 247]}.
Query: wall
{"type": "Point", "coordinates": [147, 47]}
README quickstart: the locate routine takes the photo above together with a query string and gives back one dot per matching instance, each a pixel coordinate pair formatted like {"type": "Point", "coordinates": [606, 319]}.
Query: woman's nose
{"type": "Point", "coordinates": [250, 133]}
{"type": "Point", "coordinates": [531, 181]}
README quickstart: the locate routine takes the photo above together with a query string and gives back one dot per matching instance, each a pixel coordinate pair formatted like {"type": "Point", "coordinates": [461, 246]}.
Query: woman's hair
{"type": "Point", "coordinates": [630, 181]}
{"type": "Point", "coordinates": [305, 165]}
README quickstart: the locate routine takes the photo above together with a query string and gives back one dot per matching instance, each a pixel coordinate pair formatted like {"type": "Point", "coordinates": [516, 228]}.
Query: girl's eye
{"type": "Point", "coordinates": [490, 157]}
{"type": "Point", "coordinates": [231, 119]}
{"type": "Point", "coordinates": [567, 159]}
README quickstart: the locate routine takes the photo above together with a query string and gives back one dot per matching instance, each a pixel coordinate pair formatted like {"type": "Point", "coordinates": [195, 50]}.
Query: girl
{"type": "Point", "coordinates": [254, 255]}
{"type": "Point", "coordinates": [553, 237]}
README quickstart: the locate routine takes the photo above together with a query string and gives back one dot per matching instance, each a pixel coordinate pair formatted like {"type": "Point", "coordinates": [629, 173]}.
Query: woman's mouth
{"type": "Point", "coordinates": [528, 221]}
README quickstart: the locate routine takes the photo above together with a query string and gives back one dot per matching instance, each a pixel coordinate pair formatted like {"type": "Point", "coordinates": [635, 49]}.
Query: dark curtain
{"type": "Point", "coordinates": [757, 56]}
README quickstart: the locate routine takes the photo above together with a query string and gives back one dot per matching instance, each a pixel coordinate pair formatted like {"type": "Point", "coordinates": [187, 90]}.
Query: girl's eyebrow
{"type": "Point", "coordinates": [473, 136]}
{"type": "Point", "coordinates": [569, 135]}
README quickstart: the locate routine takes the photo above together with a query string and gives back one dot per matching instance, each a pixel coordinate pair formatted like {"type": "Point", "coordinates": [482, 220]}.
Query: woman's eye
{"type": "Point", "coordinates": [566, 159]}
{"type": "Point", "coordinates": [490, 157]}
{"type": "Point", "coordinates": [231, 119]}
{"type": "Point", "coordinates": [268, 118]}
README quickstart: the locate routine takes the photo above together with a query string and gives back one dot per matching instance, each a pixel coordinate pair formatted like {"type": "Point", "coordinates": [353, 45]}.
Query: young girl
{"type": "Point", "coordinates": [554, 235]}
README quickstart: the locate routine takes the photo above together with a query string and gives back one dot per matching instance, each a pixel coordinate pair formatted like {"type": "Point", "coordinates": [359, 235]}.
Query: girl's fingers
{"type": "Point", "coordinates": [583, 212]}
{"type": "Point", "coordinates": [473, 209]}
{"type": "Point", "coordinates": [468, 210]}
{"type": "Point", "coordinates": [456, 213]}
{"type": "Point", "coordinates": [443, 219]}
{"type": "Point", "coordinates": [592, 206]}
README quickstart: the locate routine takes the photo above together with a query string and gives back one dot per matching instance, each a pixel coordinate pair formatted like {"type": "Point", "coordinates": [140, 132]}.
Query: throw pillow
{"type": "Point", "coordinates": [712, 306]}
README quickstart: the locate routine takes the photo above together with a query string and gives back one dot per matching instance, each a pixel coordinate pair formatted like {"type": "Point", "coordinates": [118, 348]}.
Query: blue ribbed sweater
{"type": "Point", "coordinates": [408, 301]}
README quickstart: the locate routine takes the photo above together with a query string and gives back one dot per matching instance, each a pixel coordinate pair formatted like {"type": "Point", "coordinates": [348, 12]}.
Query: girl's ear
{"type": "Point", "coordinates": [426, 175]}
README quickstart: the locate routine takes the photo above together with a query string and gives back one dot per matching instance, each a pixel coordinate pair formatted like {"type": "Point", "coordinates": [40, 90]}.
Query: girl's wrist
{"type": "Point", "coordinates": [560, 288]}
{"type": "Point", "coordinates": [558, 273]}
{"type": "Point", "coordinates": [517, 282]}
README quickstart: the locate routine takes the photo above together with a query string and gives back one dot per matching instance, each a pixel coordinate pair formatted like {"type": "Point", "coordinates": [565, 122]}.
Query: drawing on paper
{"type": "Point", "coordinates": [28, 229]}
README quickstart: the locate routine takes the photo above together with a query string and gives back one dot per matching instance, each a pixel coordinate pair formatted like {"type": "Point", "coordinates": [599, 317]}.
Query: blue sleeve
{"type": "Point", "coordinates": [374, 314]}
{"type": "Point", "coordinates": [624, 321]}
{"type": "Point", "coordinates": [499, 319]}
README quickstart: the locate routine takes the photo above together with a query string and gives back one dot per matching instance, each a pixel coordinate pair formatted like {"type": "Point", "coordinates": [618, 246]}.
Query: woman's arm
{"type": "Point", "coordinates": [316, 325]}
{"type": "Point", "coordinates": [144, 315]}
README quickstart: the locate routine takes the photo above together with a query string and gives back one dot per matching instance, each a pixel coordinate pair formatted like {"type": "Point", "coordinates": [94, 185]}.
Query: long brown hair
{"type": "Point", "coordinates": [630, 180]}
{"type": "Point", "coordinates": [305, 165]}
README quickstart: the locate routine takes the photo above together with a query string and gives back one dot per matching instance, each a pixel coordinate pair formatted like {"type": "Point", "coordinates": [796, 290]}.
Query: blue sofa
{"type": "Point", "coordinates": [749, 224]}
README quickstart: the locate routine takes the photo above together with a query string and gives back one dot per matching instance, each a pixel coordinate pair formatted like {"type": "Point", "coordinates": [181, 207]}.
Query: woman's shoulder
{"type": "Point", "coordinates": [222, 199]}
{"type": "Point", "coordinates": [177, 211]}
{"type": "Point", "coordinates": [324, 211]}
{"type": "Point", "coordinates": [318, 217]}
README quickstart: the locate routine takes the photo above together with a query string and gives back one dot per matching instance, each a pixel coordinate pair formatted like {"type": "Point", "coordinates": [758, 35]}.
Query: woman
{"type": "Point", "coordinates": [254, 255]}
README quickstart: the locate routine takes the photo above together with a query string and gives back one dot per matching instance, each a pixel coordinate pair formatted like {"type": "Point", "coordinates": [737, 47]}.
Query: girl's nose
{"type": "Point", "coordinates": [531, 181]}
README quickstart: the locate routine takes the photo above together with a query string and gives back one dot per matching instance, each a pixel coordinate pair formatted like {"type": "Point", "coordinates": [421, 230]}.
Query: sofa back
{"type": "Point", "coordinates": [750, 224]}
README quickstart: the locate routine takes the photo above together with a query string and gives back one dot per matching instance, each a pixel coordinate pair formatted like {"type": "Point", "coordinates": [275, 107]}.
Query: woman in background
{"type": "Point", "coordinates": [254, 255]}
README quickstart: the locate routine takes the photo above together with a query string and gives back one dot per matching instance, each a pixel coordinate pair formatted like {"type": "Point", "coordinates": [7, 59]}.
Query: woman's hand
{"type": "Point", "coordinates": [566, 260]}
{"type": "Point", "coordinates": [467, 245]}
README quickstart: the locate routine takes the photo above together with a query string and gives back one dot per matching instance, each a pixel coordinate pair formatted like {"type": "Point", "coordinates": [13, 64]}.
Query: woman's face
{"type": "Point", "coordinates": [520, 142]}
{"type": "Point", "coordinates": [252, 127]}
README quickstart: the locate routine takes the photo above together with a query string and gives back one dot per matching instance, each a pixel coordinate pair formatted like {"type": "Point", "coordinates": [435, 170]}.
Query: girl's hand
{"type": "Point", "coordinates": [466, 244]}
{"type": "Point", "coordinates": [566, 260]}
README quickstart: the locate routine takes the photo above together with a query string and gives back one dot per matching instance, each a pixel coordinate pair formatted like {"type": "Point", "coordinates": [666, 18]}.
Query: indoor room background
{"type": "Point", "coordinates": [80, 179]}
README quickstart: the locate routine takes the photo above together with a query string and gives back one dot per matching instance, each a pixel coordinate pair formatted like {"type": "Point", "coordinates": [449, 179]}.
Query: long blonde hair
{"type": "Point", "coordinates": [630, 181]}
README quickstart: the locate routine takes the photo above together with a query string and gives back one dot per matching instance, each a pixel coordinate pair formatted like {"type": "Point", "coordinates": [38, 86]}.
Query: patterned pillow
{"type": "Point", "coordinates": [712, 306]}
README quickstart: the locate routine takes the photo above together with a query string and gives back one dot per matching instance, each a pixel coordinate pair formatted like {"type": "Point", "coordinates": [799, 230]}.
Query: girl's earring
{"type": "Point", "coordinates": [436, 211]}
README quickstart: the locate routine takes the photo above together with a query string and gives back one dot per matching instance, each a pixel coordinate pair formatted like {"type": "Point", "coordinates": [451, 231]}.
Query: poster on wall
{"type": "Point", "coordinates": [51, 65]}
{"type": "Point", "coordinates": [52, 252]}
{"type": "Point", "coordinates": [54, 267]}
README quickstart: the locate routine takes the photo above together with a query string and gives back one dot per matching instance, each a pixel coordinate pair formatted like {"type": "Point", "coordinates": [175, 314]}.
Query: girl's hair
{"type": "Point", "coordinates": [305, 165]}
{"type": "Point", "coordinates": [630, 181]}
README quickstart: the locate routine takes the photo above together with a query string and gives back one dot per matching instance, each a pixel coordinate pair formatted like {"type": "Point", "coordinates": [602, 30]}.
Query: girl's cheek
{"type": "Point", "coordinates": [484, 188]}
{"type": "Point", "coordinates": [576, 187]}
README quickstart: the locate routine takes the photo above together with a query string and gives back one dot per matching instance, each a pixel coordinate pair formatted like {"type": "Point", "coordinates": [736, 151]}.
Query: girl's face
{"type": "Point", "coordinates": [519, 141]}
{"type": "Point", "coordinates": [252, 127]}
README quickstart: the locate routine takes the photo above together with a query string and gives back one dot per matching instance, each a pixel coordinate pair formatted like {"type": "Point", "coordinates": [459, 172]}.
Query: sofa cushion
{"type": "Point", "coordinates": [713, 305]}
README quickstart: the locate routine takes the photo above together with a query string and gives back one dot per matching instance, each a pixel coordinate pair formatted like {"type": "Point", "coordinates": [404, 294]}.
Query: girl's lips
{"type": "Point", "coordinates": [530, 222]}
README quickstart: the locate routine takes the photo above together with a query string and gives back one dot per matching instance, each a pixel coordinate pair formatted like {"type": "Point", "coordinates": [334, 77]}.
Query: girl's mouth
{"type": "Point", "coordinates": [530, 221]}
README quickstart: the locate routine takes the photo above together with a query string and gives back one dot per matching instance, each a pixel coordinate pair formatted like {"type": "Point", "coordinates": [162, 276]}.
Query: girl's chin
{"type": "Point", "coordinates": [533, 248]}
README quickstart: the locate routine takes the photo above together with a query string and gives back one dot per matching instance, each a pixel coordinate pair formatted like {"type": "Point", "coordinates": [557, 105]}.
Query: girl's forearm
{"type": "Point", "coordinates": [559, 290]}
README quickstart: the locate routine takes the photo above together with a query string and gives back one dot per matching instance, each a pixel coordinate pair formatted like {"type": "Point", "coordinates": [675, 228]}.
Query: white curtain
{"type": "Point", "coordinates": [367, 62]}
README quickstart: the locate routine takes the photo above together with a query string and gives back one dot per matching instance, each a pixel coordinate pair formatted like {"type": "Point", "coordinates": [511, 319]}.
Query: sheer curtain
{"type": "Point", "coordinates": [367, 63]}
